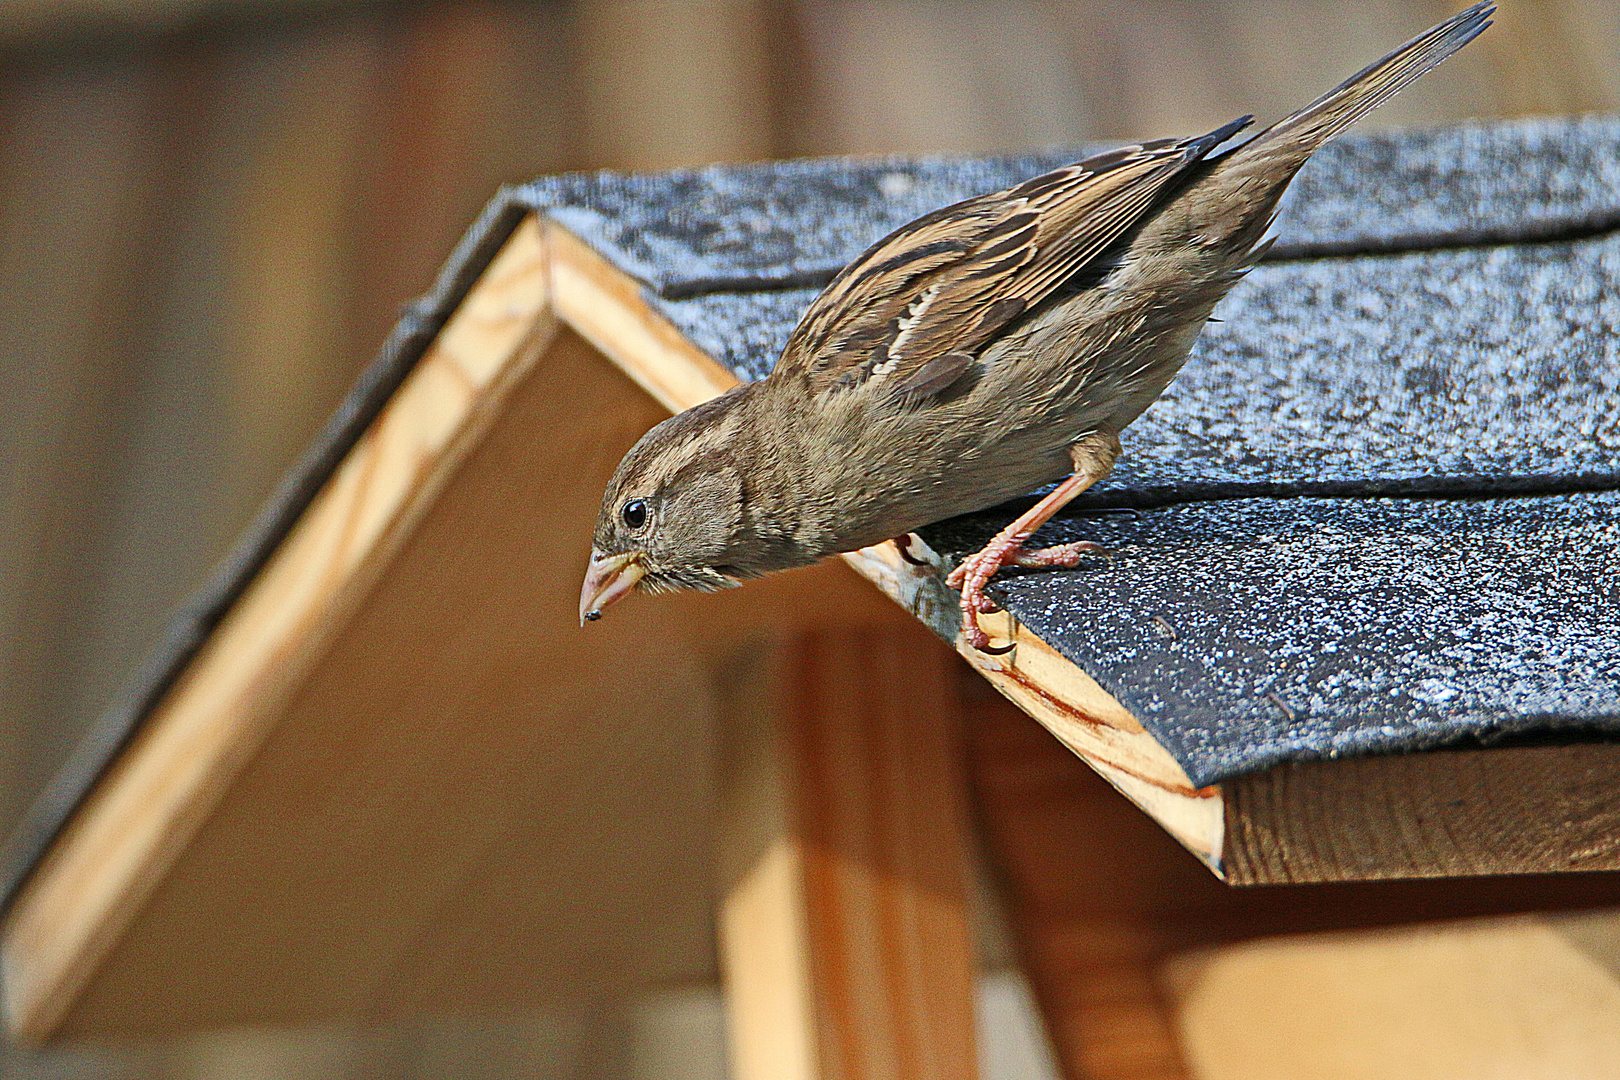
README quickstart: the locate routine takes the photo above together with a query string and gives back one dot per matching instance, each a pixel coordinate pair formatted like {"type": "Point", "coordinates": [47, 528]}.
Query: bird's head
{"type": "Point", "coordinates": [672, 516]}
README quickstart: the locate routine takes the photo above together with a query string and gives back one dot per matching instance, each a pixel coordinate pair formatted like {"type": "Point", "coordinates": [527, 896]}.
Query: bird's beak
{"type": "Point", "coordinates": [609, 578]}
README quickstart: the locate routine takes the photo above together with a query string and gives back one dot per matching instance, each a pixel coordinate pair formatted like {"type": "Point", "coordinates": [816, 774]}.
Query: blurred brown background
{"type": "Point", "coordinates": [210, 214]}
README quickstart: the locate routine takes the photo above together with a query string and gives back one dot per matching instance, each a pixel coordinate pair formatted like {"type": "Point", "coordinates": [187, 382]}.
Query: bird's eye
{"type": "Point", "coordinates": [634, 513]}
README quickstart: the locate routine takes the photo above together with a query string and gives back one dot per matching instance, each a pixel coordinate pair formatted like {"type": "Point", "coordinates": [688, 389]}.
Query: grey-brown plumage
{"type": "Point", "coordinates": [975, 354]}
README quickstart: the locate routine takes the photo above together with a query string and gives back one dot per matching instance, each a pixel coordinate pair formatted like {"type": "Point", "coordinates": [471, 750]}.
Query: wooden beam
{"type": "Point", "coordinates": [1446, 813]}
{"type": "Point", "coordinates": [1075, 863]}
{"type": "Point", "coordinates": [844, 923]}
{"type": "Point", "coordinates": [1098, 903]}
{"type": "Point", "coordinates": [1496, 997]}
{"type": "Point", "coordinates": [763, 927]}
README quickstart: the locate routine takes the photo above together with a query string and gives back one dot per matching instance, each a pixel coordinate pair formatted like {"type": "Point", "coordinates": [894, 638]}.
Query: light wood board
{"type": "Point", "coordinates": [1510, 998]}
{"type": "Point", "coordinates": [844, 918]}
{"type": "Point", "coordinates": [1106, 915]}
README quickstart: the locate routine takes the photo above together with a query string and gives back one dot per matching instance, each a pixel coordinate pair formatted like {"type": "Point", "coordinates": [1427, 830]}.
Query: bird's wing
{"type": "Point", "coordinates": [919, 306]}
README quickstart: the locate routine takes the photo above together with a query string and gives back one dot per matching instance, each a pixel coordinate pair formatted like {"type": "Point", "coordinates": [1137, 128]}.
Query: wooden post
{"type": "Point", "coordinates": [844, 918]}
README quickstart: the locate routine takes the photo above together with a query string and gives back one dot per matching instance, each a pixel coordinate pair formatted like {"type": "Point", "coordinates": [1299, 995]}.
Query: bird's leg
{"type": "Point", "coordinates": [1093, 457]}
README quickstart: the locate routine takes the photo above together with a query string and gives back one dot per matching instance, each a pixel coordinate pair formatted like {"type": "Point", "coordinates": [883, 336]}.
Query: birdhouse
{"type": "Point", "coordinates": [1354, 635]}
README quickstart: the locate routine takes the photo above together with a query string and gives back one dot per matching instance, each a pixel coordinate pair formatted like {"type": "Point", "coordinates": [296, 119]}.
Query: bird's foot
{"type": "Point", "coordinates": [975, 572]}
{"type": "Point", "coordinates": [1066, 556]}
{"type": "Point", "coordinates": [999, 553]}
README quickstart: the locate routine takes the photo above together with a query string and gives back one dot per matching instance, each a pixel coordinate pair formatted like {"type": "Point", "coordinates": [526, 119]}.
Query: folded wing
{"type": "Point", "coordinates": [912, 314]}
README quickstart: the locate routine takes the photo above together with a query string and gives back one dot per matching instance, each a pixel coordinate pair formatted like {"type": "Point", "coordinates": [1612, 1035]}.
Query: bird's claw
{"type": "Point", "coordinates": [970, 577]}
{"type": "Point", "coordinates": [976, 637]}
{"type": "Point", "coordinates": [974, 572]}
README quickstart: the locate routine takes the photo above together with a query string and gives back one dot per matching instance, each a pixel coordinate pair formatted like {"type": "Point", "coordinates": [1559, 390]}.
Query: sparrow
{"type": "Point", "coordinates": [981, 352]}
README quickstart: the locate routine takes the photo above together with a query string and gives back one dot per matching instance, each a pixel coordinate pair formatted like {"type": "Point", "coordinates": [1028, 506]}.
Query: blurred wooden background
{"type": "Point", "coordinates": [210, 214]}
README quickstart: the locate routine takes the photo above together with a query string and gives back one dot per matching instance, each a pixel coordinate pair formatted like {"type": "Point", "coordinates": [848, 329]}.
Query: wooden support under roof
{"type": "Point", "coordinates": [1147, 968]}
{"type": "Point", "coordinates": [844, 921]}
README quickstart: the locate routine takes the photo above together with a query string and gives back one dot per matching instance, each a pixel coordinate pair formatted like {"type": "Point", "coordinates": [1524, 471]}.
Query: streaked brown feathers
{"type": "Point", "coordinates": [951, 282]}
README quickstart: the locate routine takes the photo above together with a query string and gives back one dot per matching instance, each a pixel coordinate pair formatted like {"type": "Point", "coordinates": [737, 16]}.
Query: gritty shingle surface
{"type": "Point", "coordinates": [794, 222]}
{"type": "Point", "coordinates": [1477, 369]}
{"type": "Point", "coordinates": [1248, 632]}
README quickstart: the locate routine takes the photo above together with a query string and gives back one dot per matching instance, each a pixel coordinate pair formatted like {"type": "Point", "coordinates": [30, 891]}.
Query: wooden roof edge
{"type": "Point", "coordinates": [305, 565]}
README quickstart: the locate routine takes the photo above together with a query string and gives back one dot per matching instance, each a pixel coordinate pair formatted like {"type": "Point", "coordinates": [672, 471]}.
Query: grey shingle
{"type": "Point", "coordinates": [1308, 628]}
{"type": "Point", "coordinates": [796, 222]}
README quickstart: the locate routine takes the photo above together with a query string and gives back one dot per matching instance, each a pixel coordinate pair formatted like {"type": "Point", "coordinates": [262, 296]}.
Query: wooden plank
{"type": "Point", "coordinates": [138, 819]}
{"type": "Point", "coordinates": [1075, 862]}
{"type": "Point", "coordinates": [845, 932]}
{"type": "Point", "coordinates": [873, 720]}
{"type": "Point", "coordinates": [762, 923]}
{"type": "Point", "coordinates": [1447, 813]}
{"type": "Point", "coordinates": [1501, 997]}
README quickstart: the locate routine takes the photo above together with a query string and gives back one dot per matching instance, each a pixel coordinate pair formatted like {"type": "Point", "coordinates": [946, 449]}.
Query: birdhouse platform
{"type": "Point", "coordinates": [1356, 633]}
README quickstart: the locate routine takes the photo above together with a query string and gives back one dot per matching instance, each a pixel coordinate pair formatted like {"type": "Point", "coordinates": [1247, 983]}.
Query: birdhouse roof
{"type": "Point", "coordinates": [1358, 520]}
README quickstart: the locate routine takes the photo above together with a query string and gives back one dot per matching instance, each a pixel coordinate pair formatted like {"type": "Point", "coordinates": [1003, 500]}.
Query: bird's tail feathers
{"type": "Point", "coordinates": [1370, 87]}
